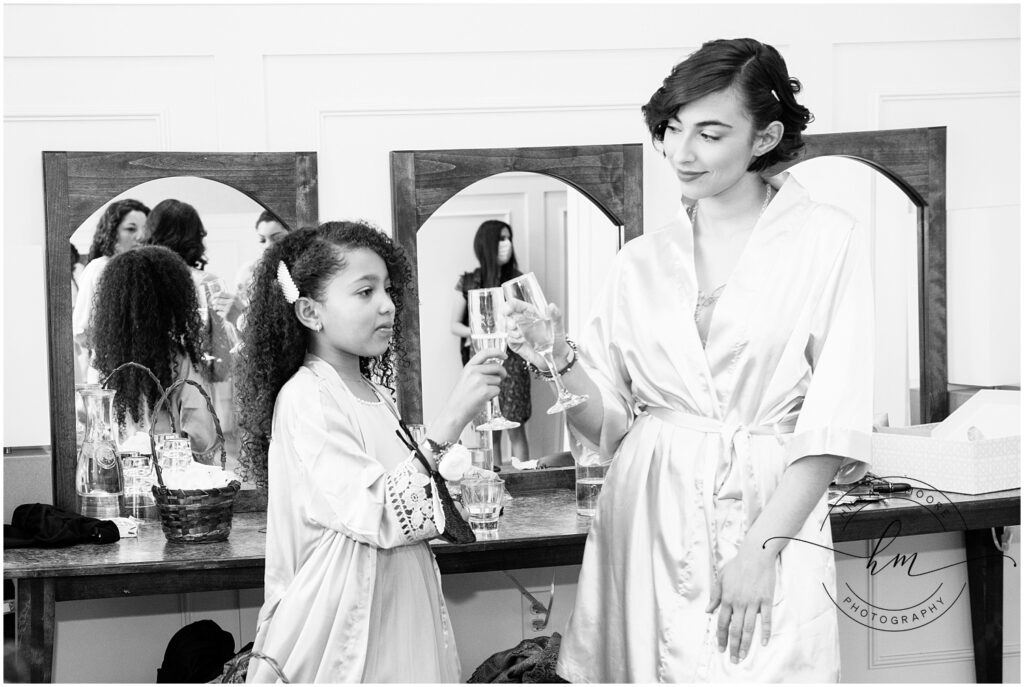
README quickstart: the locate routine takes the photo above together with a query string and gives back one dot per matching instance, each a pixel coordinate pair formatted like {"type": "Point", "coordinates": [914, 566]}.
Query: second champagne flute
{"type": "Point", "coordinates": [487, 330]}
{"type": "Point", "coordinates": [537, 329]}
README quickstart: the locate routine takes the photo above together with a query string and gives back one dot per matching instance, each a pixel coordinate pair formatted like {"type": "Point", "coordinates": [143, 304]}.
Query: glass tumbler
{"type": "Point", "coordinates": [482, 499]}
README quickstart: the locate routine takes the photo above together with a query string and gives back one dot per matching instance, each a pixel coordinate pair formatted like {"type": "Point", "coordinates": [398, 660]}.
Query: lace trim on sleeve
{"type": "Point", "coordinates": [406, 491]}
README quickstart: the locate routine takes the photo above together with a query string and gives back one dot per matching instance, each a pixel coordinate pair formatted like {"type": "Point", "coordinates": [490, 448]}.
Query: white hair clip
{"type": "Point", "coordinates": [284, 280]}
{"type": "Point", "coordinates": [775, 95]}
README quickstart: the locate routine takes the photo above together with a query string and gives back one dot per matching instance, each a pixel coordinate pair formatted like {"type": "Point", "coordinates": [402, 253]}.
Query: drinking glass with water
{"type": "Point", "coordinates": [482, 499]}
{"type": "Point", "coordinates": [589, 480]}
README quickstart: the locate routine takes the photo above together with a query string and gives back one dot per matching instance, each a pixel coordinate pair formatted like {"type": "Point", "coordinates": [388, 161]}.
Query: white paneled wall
{"type": "Point", "coordinates": [353, 82]}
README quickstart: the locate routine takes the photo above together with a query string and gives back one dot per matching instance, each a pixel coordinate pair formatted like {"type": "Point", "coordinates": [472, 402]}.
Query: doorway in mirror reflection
{"type": "Point", "coordinates": [557, 233]}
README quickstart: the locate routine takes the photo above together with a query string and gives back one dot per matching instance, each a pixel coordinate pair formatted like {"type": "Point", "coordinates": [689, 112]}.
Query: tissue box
{"type": "Point", "coordinates": [958, 466]}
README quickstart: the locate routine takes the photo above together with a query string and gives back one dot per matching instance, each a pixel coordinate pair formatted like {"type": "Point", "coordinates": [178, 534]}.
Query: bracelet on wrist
{"type": "Point", "coordinates": [438, 449]}
{"type": "Point", "coordinates": [546, 374]}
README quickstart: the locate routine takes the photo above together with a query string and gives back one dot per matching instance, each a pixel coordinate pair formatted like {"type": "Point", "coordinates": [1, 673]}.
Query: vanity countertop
{"type": "Point", "coordinates": [537, 518]}
{"type": "Point", "coordinates": [538, 528]}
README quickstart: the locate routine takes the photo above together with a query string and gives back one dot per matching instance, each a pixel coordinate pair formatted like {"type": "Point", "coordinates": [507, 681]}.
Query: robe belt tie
{"type": "Point", "coordinates": [735, 448]}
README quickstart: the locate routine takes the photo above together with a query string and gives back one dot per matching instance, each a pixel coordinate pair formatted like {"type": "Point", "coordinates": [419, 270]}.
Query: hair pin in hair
{"type": "Point", "coordinates": [284, 280]}
{"type": "Point", "coordinates": [775, 95]}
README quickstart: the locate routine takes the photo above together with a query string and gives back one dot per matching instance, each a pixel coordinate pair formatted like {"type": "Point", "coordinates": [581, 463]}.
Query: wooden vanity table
{"type": "Point", "coordinates": [539, 528]}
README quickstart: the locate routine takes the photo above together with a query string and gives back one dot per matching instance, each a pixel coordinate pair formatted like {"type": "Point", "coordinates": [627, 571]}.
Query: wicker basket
{"type": "Point", "coordinates": [193, 516]}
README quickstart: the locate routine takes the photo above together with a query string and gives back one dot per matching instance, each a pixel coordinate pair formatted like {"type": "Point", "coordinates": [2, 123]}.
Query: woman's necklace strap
{"type": "Point", "coordinates": [691, 210]}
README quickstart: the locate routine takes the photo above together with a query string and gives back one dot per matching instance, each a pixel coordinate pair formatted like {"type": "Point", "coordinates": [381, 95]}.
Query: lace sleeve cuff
{"type": "Point", "coordinates": [407, 497]}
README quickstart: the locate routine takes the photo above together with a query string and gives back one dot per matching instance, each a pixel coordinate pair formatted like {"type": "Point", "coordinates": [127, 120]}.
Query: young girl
{"type": "Point", "coordinates": [352, 590]}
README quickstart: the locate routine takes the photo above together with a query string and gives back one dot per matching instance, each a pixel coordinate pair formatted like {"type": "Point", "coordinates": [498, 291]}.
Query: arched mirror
{"type": "Point", "coordinates": [557, 233]}
{"type": "Point", "coordinates": [437, 207]}
{"type": "Point", "coordinates": [895, 182]}
{"type": "Point", "coordinates": [228, 191]}
{"type": "Point", "coordinates": [890, 219]}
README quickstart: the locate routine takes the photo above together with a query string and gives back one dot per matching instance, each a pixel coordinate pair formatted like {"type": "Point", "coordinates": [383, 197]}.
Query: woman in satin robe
{"type": "Point", "coordinates": [728, 363]}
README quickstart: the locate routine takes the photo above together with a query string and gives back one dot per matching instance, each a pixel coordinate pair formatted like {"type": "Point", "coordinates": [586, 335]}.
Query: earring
{"type": "Point", "coordinates": [318, 327]}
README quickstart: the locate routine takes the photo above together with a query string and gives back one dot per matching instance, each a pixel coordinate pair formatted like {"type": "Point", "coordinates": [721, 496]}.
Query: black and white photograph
{"type": "Point", "coordinates": [551, 342]}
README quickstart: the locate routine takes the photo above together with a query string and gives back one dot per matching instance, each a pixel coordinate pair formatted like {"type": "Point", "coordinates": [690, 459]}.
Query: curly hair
{"type": "Point", "coordinates": [274, 342]}
{"type": "Point", "coordinates": [145, 310]}
{"type": "Point", "coordinates": [105, 238]}
{"type": "Point", "coordinates": [177, 225]}
{"type": "Point", "coordinates": [759, 74]}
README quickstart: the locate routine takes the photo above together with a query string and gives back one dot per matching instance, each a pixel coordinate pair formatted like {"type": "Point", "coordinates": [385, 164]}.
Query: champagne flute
{"type": "Point", "coordinates": [487, 330]}
{"type": "Point", "coordinates": [538, 330]}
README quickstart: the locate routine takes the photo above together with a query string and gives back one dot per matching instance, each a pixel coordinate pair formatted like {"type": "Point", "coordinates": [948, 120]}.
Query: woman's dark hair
{"type": "Point", "coordinates": [274, 342]}
{"type": "Point", "coordinates": [268, 216]}
{"type": "Point", "coordinates": [760, 76]}
{"type": "Point", "coordinates": [176, 225]}
{"type": "Point", "coordinates": [105, 238]}
{"type": "Point", "coordinates": [485, 245]}
{"type": "Point", "coordinates": [145, 310]}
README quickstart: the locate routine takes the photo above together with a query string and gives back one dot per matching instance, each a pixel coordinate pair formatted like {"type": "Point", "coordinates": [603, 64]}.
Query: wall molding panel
{"type": "Point", "coordinates": [157, 117]}
{"type": "Point", "coordinates": [882, 99]}
{"type": "Point", "coordinates": [324, 116]}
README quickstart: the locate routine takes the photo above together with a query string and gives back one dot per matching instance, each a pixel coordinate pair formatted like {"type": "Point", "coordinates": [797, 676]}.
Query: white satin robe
{"type": "Point", "coordinates": [790, 342]}
{"type": "Point", "coordinates": [352, 590]}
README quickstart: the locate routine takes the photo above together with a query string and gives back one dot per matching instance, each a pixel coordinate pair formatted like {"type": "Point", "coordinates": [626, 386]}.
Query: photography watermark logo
{"type": "Point", "coordinates": [908, 588]}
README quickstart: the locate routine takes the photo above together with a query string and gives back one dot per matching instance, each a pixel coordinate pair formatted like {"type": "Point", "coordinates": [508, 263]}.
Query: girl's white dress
{"type": "Point", "coordinates": [700, 438]}
{"type": "Point", "coordinates": [353, 593]}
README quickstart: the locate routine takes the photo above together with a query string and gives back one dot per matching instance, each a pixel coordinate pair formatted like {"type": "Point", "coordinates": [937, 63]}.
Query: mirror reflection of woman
{"type": "Point", "coordinates": [147, 312]}
{"type": "Point", "coordinates": [119, 229]}
{"type": "Point", "coordinates": [269, 230]}
{"type": "Point", "coordinates": [729, 365]}
{"type": "Point", "coordinates": [497, 263]}
{"type": "Point", "coordinates": [177, 225]}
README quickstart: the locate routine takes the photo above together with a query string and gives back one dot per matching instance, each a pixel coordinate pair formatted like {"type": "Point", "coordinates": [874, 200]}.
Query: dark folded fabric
{"type": "Point", "coordinates": [196, 653]}
{"type": "Point", "coordinates": [532, 660]}
{"type": "Point", "coordinates": [40, 524]}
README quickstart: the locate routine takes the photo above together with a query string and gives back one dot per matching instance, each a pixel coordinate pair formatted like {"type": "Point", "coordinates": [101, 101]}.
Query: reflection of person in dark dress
{"type": "Point", "coordinates": [493, 248]}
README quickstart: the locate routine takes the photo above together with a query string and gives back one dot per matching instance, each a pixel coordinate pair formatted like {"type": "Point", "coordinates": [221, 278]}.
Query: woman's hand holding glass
{"type": "Point", "coordinates": [220, 298]}
{"type": "Point", "coordinates": [517, 343]}
{"type": "Point", "coordinates": [535, 332]}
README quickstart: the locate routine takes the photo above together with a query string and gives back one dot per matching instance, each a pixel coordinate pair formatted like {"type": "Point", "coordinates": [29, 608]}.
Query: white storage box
{"type": "Point", "coordinates": [958, 466]}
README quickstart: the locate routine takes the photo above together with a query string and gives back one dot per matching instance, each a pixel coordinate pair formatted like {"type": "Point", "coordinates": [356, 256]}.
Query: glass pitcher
{"type": "Point", "coordinates": [99, 481]}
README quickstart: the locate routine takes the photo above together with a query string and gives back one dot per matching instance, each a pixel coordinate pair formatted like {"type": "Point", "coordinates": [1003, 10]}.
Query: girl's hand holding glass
{"type": "Point", "coordinates": [479, 382]}
{"type": "Point", "coordinates": [487, 325]}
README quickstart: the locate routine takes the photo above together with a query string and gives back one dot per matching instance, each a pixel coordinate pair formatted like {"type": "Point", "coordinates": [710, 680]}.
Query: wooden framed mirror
{"type": "Point", "coordinates": [915, 161]}
{"type": "Point", "coordinates": [609, 176]}
{"type": "Point", "coordinates": [78, 184]}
